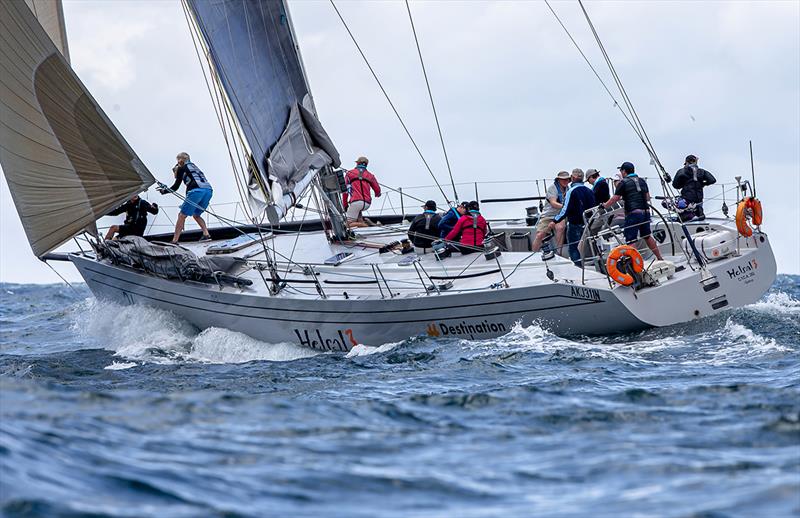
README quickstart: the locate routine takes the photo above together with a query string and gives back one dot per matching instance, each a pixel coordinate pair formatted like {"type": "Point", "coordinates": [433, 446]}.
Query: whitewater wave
{"type": "Point", "coordinates": [731, 343]}
{"type": "Point", "coordinates": [777, 302]}
{"type": "Point", "coordinates": [146, 334]}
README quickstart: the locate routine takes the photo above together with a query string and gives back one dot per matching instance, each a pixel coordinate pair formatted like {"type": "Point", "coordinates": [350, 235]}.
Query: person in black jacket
{"type": "Point", "coordinates": [691, 179]}
{"type": "Point", "coordinates": [424, 229]}
{"type": "Point", "coordinates": [135, 210]}
{"type": "Point", "coordinates": [599, 186]}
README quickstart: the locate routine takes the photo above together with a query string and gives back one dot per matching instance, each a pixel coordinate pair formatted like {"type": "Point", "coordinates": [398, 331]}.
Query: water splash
{"type": "Point", "coordinates": [147, 334]}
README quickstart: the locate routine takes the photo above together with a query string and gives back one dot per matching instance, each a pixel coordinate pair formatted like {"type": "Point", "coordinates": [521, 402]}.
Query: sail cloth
{"type": "Point", "coordinates": [65, 163]}
{"type": "Point", "coordinates": [50, 14]}
{"type": "Point", "coordinates": [256, 57]}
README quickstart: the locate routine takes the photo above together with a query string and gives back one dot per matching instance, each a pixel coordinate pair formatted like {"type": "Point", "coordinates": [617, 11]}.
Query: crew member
{"type": "Point", "coordinates": [579, 198]}
{"type": "Point", "coordinates": [135, 210]}
{"type": "Point", "coordinates": [555, 201]}
{"type": "Point", "coordinates": [198, 195]}
{"type": "Point", "coordinates": [636, 195]}
{"type": "Point", "coordinates": [358, 196]}
{"type": "Point", "coordinates": [425, 227]}
{"type": "Point", "coordinates": [450, 219]}
{"type": "Point", "coordinates": [469, 230]}
{"type": "Point", "coordinates": [691, 179]}
{"type": "Point", "coordinates": [599, 186]}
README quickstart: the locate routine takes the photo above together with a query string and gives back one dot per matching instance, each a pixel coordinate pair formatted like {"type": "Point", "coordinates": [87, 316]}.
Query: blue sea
{"type": "Point", "coordinates": [119, 411]}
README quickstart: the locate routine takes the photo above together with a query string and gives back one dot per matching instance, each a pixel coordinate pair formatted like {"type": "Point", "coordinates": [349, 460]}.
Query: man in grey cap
{"type": "Point", "coordinates": [555, 201]}
{"type": "Point", "coordinates": [599, 186]}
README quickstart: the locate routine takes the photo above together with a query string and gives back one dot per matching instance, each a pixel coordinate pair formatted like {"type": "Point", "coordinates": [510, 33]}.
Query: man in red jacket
{"type": "Point", "coordinates": [358, 196]}
{"type": "Point", "coordinates": [469, 231]}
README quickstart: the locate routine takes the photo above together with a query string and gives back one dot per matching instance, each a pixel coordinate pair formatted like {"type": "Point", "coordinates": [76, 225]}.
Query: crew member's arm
{"type": "Point", "coordinates": [179, 172]}
{"type": "Point", "coordinates": [563, 212]}
{"type": "Point", "coordinates": [708, 178]}
{"type": "Point", "coordinates": [680, 179]}
{"type": "Point", "coordinates": [453, 234]}
{"type": "Point", "coordinates": [119, 210]}
{"type": "Point", "coordinates": [152, 208]}
{"type": "Point", "coordinates": [376, 187]}
{"type": "Point", "coordinates": [611, 201]}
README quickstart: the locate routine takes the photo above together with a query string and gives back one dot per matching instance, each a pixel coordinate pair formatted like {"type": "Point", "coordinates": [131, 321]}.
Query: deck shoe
{"type": "Point", "coordinates": [205, 238]}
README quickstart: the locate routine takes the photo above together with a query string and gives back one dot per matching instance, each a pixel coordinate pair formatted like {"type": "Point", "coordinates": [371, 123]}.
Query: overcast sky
{"type": "Point", "coordinates": [514, 97]}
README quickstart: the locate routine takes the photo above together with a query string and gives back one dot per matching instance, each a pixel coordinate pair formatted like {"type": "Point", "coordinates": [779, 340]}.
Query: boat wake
{"type": "Point", "coordinates": [141, 334]}
{"type": "Point", "coordinates": [145, 334]}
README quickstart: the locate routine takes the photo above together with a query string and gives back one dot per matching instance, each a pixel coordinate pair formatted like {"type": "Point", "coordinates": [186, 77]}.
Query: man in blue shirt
{"type": "Point", "coordinates": [578, 199]}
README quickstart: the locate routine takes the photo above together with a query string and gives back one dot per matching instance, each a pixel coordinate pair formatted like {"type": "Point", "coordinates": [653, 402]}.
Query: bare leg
{"type": "Point", "coordinates": [561, 229]}
{"type": "Point", "coordinates": [654, 247]}
{"type": "Point", "coordinates": [200, 221]}
{"type": "Point", "coordinates": [113, 229]}
{"type": "Point", "coordinates": [179, 226]}
{"type": "Point", "coordinates": [537, 241]}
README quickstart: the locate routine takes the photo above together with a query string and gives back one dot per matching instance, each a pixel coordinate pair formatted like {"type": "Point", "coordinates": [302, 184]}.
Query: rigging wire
{"type": "Point", "coordinates": [386, 95]}
{"type": "Point", "coordinates": [430, 96]}
{"type": "Point", "coordinates": [634, 115]}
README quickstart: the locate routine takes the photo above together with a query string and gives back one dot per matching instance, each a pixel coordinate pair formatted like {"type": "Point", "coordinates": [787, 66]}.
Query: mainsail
{"type": "Point", "coordinates": [65, 163]}
{"type": "Point", "coordinates": [256, 57]}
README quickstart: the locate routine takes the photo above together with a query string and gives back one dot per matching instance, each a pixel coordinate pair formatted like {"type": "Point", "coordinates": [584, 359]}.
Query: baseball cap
{"type": "Point", "coordinates": [430, 205]}
{"type": "Point", "coordinates": [627, 166]}
{"type": "Point", "coordinates": [591, 172]}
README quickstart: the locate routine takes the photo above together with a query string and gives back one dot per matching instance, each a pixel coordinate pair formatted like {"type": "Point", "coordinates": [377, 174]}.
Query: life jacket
{"type": "Point", "coordinates": [195, 179]}
{"type": "Point", "coordinates": [634, 193]}
{"type": "Point", "coordinates": [473, 234]}
{"type": "Point", "coordinates": [360, 184]}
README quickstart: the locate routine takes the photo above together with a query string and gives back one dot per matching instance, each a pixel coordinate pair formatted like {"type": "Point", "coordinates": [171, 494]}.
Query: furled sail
{"type": "Point", "coordinates": [253, 49]}
{"type": "Point", "coordinates": [50, 14]}
{"type": "Point", "coordinates": [65, 163]}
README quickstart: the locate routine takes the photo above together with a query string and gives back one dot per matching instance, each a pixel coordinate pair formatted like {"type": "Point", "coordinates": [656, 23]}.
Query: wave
{"type": "Point", "coordinates": [777, 302]}
{"type": "Point", "coordinates": [145, 334]}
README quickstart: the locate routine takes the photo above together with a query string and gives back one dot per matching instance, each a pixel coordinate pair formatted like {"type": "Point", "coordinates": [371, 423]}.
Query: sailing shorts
{"type": "Point", "coordinates": [127, 229]}
{"type": "Point", "coordinates": [355, 208]}
{"type": "Point", "coordinates": [636, 224]}
{"type": "Point", "coordinates": [196, 201]}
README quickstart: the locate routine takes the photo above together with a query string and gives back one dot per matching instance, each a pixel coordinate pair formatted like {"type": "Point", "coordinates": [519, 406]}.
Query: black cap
{"type": "Point", "coordinates": [627, 167]}
{"type": "Point", "coordinates": [691, 159]}
{"type": "Point", "coordinates": [473, 205]}
{"type": "Point", "coordinates": [429, 205]}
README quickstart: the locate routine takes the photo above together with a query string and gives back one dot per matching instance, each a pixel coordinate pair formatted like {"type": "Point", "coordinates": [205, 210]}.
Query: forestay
{"type": "Point", "coordinates": [255, 55]}
{"type": "Point", "coordinates": [65, 163]}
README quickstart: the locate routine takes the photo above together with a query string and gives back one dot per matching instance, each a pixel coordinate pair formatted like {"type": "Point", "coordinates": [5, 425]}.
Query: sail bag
{"type": "Point", "coordinates": [65, 163]}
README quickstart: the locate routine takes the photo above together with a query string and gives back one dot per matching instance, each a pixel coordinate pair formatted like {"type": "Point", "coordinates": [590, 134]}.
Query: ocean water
{"type": "Point", "coordinates": [127, 411]}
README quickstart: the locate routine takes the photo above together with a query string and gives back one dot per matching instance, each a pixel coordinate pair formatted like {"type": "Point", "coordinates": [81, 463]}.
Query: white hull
{"type": "Point", "coordinates": [566, 307]}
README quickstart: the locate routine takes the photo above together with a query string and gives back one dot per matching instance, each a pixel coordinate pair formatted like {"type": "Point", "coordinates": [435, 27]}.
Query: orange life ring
{"type": "Point", "coordinates": [748, 207]}
{"type": "Point", "coordinates": [618, 253]}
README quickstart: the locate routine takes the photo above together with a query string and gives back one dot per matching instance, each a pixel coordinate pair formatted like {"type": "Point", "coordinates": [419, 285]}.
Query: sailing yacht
{"type": "Point", "coordinates": [316, 282]}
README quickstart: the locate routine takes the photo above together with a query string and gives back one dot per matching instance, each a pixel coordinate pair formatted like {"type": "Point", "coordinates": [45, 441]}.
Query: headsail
{"type": "Point", "coordinates": [65, 163]}
{"type": "Point", "coordinates": [256, 57]}
{"type": "Point", "coordinates": [50, 14]}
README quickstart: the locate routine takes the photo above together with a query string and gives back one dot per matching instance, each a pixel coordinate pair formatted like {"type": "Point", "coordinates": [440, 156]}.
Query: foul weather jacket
{"type": "Point", "coordinates": [359, 184]}
{"type": "Point", "coordinates": [579, 198]}
{"type": "Point", "coordinates": [470, 230]}
{"type": "Point", "coordinates": [691, 180]}
{"type": "Point", "coordinates": [448, 221]}
{"type": "Point", "coordinates": [424, 229]}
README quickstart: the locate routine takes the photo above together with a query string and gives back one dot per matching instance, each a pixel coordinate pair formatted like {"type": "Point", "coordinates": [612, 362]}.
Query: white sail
{"type": "Point", "coordinates": [65, 163]}
{"type": "Point", "coordinates": [50, 14]}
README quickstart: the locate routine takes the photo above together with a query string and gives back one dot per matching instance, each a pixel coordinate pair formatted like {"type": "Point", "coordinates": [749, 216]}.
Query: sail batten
{"type": "Point", "coordinates": [65, 163]}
